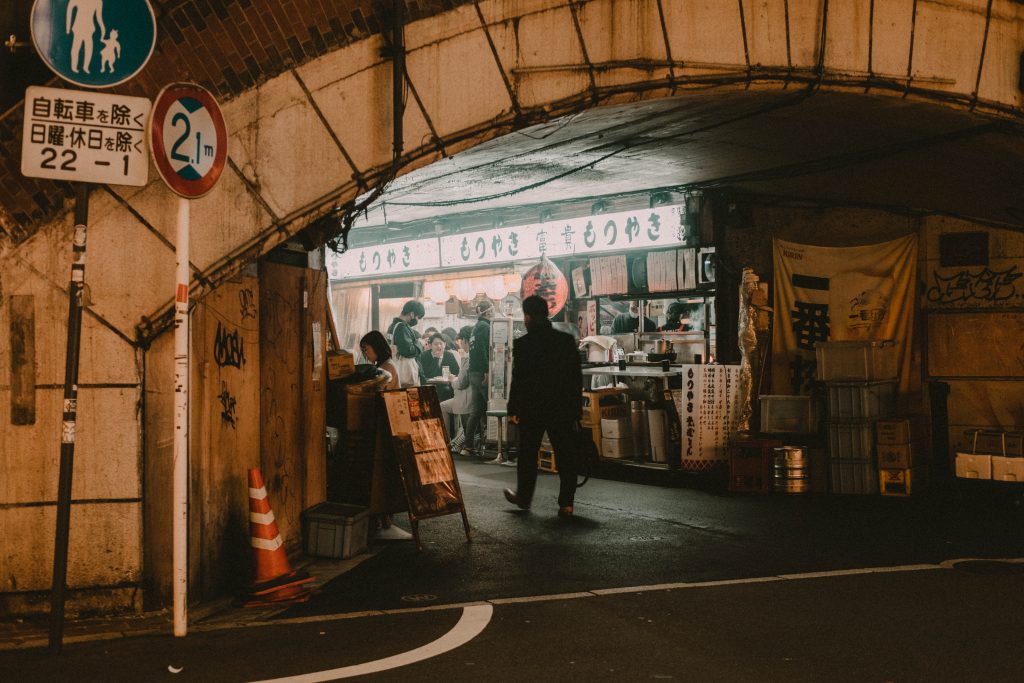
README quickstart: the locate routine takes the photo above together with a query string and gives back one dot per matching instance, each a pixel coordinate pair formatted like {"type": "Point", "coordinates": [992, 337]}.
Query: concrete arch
{"type": "Point", "coordinates": [318, 134]}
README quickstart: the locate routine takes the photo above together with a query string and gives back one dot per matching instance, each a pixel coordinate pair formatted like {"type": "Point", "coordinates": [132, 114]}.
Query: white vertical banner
{"type": "Point", "coordinates": [709, 410]}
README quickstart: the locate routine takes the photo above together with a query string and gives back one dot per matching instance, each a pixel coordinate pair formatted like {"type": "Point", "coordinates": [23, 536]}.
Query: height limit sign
{"type": "Point", "coordinates": [189, 139]}
{"type": "Point", "coordinates": [82, 136]}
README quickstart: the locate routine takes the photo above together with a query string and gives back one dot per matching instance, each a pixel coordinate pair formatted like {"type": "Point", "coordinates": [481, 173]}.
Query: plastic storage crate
{"type": "Point", "coordinates": [851, 440]}
{"type": "Point", "coordinates": [861, 400]}
{"type": "Point", "coordinates": [335, 530]}
{"type": "Point", "coordinates": [856, 360]}
{"type": "Point", "coordinates": [854, 476]}
{"type": "Point", "coordinates": [788, 414]}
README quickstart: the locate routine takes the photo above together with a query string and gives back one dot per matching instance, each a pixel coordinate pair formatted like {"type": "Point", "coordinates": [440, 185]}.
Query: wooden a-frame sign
{"type": "Point", "coordinates": [413, 423]}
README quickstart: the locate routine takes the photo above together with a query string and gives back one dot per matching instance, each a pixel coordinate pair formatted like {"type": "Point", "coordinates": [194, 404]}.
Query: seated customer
{"type": "Point", "coordinates": [433, 360]}
{"type": "Point", "coordinates": [376, 350]}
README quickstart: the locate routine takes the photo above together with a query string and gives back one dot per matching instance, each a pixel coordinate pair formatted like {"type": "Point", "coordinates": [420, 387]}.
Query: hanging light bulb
{"type": "Point", "coordinates": [494, 287]}
{"type": "Point", "coordinates": [512, 282]}
{"type": "Point", "coordinates": [435, 291]}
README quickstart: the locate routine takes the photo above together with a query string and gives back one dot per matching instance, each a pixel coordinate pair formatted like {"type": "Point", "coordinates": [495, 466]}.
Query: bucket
{"type": "Point", "coordinates": [792, 470]}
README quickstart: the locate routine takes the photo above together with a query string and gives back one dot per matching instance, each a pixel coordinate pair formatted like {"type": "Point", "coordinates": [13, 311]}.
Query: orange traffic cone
{"type": "Point", "coordinates": [275, 582]}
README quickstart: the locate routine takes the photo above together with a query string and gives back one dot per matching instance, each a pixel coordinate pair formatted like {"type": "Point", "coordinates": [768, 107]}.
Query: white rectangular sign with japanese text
{"type": "Point", "coordinates": [84, 136]}
{"type": "Point", "coordinates": [643, 228]}
{"type": "Point", "coordinates": [384, 259]}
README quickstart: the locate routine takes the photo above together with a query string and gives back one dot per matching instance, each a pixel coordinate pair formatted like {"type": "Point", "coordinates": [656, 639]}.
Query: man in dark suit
{"type": "Point", "coordinates": [545, 396]}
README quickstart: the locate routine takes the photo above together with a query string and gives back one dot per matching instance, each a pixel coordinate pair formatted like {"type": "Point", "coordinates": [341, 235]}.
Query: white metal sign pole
{"type": "Point", "coordinates": [181, 353]}
{"type": "Point", "coordinates": [183, 112]}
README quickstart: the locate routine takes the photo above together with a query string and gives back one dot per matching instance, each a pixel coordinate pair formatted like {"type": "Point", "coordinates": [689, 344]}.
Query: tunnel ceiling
{"type": "Point", "coordinates": [829, 147]}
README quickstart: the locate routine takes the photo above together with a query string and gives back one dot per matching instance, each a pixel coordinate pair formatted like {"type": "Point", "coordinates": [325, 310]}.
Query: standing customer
{"type": "Point", "coordinates": [432, 362]}
{"type": "Point", "coordinates": [456, 408]}
{"type": "Point", "coordinates": [406, 343]}
{"type": "Point", "coordinates": [544, 396]}
{"type": "Point", "coordinates": [376, 350]}
{"type": "Point", "coordinates": [479, 361]}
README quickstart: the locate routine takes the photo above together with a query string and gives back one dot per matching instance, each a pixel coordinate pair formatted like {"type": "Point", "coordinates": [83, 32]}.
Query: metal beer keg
{"type": "Point", "coordinates": [792, 470]}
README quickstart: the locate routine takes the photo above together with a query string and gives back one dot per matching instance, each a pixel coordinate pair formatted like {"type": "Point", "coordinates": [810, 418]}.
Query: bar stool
{"type": "Point", "coordinates": [500, 415]}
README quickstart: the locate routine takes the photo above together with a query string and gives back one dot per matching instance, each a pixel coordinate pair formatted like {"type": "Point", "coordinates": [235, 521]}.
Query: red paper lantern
{"type": "Point", "coordinates": [546, 281]}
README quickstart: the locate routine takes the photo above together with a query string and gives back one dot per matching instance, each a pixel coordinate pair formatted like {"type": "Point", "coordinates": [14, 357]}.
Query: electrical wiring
{"type": "Point", "coordinates": [792, 100]}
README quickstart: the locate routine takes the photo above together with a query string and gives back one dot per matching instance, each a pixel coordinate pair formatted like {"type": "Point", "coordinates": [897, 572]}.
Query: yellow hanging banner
{"type": "Point", "coordinates": [861, 293]}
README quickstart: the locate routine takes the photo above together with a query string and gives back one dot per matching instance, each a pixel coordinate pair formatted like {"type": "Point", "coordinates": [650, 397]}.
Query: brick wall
{"type": "Point", "coordinates": [227, 46]}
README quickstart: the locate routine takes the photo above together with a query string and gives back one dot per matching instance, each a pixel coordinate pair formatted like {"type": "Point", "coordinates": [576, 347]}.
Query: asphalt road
{"type": "Point", "coordinates": [645, 583]}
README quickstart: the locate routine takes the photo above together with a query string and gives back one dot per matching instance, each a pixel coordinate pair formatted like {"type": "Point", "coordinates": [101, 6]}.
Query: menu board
{"type": "Point", "coordinates": [709, 408]}
{"type": "Point", "coordinates": [416, 429]}
{"type": "Point", "coordinates": [661, 271]}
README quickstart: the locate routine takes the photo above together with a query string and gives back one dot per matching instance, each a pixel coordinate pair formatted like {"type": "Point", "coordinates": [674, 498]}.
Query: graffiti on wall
{"type": "Point", "coordinates": [227, 348]}
{"type": "Point", "coordinates": [228, 406]}
{"type": "Point", "coordinates": [982, 287]}
{"type": "Point", "coordinates": [246, 303]}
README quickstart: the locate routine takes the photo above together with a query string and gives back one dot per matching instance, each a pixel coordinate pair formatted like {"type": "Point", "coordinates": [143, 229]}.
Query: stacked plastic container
{"type": "Point", "coordinates": [860, 381]}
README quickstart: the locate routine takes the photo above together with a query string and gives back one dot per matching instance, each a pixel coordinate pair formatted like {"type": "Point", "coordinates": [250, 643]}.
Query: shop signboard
{"type": "Point", "coordinates": [90, 137]}
{"type": "Point", "coordinates": [655, 228]}
{"type": "Point", "coordinates": [385, 259]}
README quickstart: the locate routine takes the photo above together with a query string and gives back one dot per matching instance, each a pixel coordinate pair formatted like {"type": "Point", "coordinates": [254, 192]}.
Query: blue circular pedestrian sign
{"type": "Point", "coordinates": [94, 43]}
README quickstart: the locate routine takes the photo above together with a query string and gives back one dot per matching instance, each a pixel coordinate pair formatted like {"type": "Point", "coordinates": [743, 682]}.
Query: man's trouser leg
{"type": "Point", "coordinates": [526, 465]}
{"type": "Point", "coordinates": [478, 406]}
{"type": "Point", "coordinates": [566, 459]}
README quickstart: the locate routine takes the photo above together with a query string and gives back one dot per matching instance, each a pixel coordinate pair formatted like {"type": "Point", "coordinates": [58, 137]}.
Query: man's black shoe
{"type": "Point", "coordinates": [511, 497]}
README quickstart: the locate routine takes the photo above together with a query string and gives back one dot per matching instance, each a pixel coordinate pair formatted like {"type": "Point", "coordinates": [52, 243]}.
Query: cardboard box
{"type": "Point", "coordinates": [616, 448]}
{"type": "Point", "coordinates": [902, 482]}
{"type": "Point", "coordinates": [901, 431]}
{"type": "Point", "coordinates": [1007, 469]}
{"type": "Point", "coordinates": [900, 456]}
{"type": "Point", "coordinates": [616, 428]}
{"type": "Point", "coordinates": [340, 364]}
{"type": "Point", "coordinates": [971, 466]}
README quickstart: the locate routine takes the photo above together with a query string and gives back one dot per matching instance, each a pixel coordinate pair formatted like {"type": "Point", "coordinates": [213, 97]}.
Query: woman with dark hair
{"type": "Point", "coordinates": [456, 409]}
{"type": "Point", "coordinates": [449, 335]}
{"type": "Point", "coordinates": [432, 364]}
{"type": "Point", "coordinates": [376, 350]}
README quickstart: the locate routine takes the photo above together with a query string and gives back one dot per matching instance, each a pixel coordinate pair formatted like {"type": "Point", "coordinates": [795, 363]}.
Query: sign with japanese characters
{"type": "Point", "coordinates": [189, 139]}
{"type": "Point", "coordinates": [708, 407]}
{"type": "Point", "coordinates": [822, 294]}
{"type": "Point", "coordinates": [94, 43]}
{"type": "Point", "coordinates": [643, 228]}
{"type": "Point", "coordinates": [82, 136]}
{"type": "Point", "coordinates": [385, 259]}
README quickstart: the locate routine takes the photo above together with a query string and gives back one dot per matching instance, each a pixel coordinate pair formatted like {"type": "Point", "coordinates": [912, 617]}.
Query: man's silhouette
{"type": "Point", "coordinates": [545, 396]}
{"type": "Point", "coordinates": [81, 21]}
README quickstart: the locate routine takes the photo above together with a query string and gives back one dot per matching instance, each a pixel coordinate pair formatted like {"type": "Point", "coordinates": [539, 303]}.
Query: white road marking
{"type": "Point", "coordinates": [466, 606]}
{"type": "Point", "coordinates": [474, 620]}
